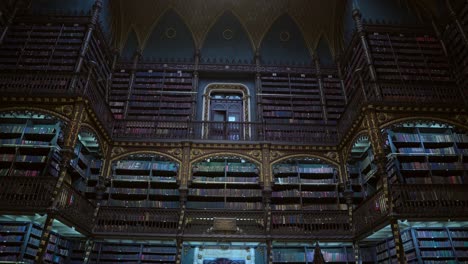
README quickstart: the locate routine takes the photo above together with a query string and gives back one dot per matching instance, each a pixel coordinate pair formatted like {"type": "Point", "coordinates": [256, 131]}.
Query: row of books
{"type": "Point", "coordinates": [434, 243]}
{"type": "Point", "coordinates": [32, 159]}
{"type": "Point", "coordinates": [226, 192]}
{"type": "Point", "coordinates": [221, 167]}
{"type": "Point", "coordinates": [143, 203]}
{"type": "Point", "coordinates": [431, 234]}
{"type": "Point", "coordinates": [146, 165]}
{"type": "Point", "coordinates": [287, 180]}
{"type": "Point", "coordinates": [436, 253]}
{"type": "Point", "coordinates": [203, 179]}
{"type": "Point", "coordinates": [303, 169]}
{"type": "Point", "coordinates": [226, 205]}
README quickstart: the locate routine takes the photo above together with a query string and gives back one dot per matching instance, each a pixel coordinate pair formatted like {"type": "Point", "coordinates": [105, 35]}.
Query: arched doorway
{"type": "Point", "coordinates": [226, 111]}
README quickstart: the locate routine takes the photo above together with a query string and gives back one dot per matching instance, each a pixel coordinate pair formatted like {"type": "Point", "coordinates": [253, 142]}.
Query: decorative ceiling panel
{"type": "Point", "coordinates": [316, 18]}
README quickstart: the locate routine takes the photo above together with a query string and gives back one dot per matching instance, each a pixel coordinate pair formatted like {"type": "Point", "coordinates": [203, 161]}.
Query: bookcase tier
{"type": "Point", "coordinates": [143, 181]}
{"type": "Point", "coordinates": [225, 182]}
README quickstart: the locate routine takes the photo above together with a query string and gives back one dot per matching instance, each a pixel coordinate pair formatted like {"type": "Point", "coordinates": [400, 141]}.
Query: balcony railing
{"type": "Point", "coordinates": [121, 220]}
{"type": "Point", "coordinates": [246, 223]}
{"type": "Point", "coordinates": [232, 131]}
{"type": "Point", "coordinates": [430, 200]}
{"type": "Point", "coordinates": [26, 194]}
{"type": "Point", "coordinates": [371, 212]}
{"type": "Point", "coordinates": [43, 84]}
{"type": "Point", "coordinates": [331, 224]}
{"type": "Point", "coordinates": [75, 208]}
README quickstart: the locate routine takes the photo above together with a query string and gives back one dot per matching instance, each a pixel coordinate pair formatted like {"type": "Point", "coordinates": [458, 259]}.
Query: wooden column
{"type": "Point", "coordinates": [184, 176]}
{"type": "Point", "coordinates": [380, 160]}
{"type": "Point", "coordinates": [87, 39]}
{"type": "Point", "coordinates": [323, 101]}
{"type": "Point", "coordinates": [88, 250]}
{"type": "Point", "coordinates": [44, 239]}
{"type": "Point", "coordinates": [266, 181]}
{"type": "Point", "coordinates": [269, 252]}
{"type": "Point", "coordinates": [136, 58]}
{"type": "Point", "coordinates": [67, 154]}
{"type": "Point", "coordinates": [400, 250]}
{"type": "Point", "coordinates": [179, 250]}
{"type": "Point", "coordinates": [357, 253]}
{"type": "Point", "coordinates": [10, 19]}
{"type": "Point", "coordinates": [367, 53]}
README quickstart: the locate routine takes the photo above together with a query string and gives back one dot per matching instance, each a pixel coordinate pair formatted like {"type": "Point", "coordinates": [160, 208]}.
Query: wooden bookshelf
{"type": "Point", "coordinates": [225, 183]}
{"type": "Point", "coordinates": [144, 181]}
{"type": "Point", "coordinates": [52, 46]}
{"type": "Point", "coordinates": [305, 184]}
{"type": "Point", "coordinates": [29, 145]}
{"type": "Point", "coordinates": [305, 254]}
{"type": "Point", "coordinates": [362, 170]}
{"type": "Point", "coordinates": [144, 252]}
{"type": "Point", "coordinates": [429, 153]}
{"type": "Point", "coordinates": [86, 167]}
{"type": "Point", "coordinates": [20, 242]}
{"type": "Point", "coordinates": [295, 98]}
{"type": "Point", "coordinates": [157, 95]}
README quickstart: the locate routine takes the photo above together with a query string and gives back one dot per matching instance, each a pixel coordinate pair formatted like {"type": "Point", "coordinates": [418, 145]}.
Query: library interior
{"type": "Point", "coordinates": [234, 131]}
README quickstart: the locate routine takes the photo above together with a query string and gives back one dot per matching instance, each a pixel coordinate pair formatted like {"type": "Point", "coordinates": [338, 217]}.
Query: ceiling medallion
{"type": "Point", "coordinates": [171, 33]}
{"type": "Point", "coordinates": [228, 34]}
{"type": "Point", "coordinates": [285, 36]}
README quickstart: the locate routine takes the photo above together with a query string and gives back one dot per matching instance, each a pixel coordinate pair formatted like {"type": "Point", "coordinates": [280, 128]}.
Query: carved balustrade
{"type": "Point", "coordinates": [324, 224]}
{"type": "Point", "coordinates": [26, 194]}
{"type": "Point", "coordinates": [371, 212]}
{"type": "Point", "coordinates": [244, 223]}
{"type": "Point", "coordinates": [430, 200]}
{"type": "Point", "coordinates": [74, 207]}
{"type": "Point", "coordinates": [128, 221]}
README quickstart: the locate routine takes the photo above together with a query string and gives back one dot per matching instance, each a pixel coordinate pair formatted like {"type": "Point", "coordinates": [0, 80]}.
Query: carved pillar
{"type": "Point", "coordinates": [131, 81]}
{"type": "Point", "coordinates": [323, 100]}
{"type": "Point", "coordinates": [269, 252]}
{"type": "Point", "coordinates": [11, 18]}
{"type": "Point", "coordinates": [179, 250]}
{"type": "Point", "coordinates": [458, 24]}
{"type": "Point", "coordinates": [44, 239]}
{"type": "Point", "coordinates": [88, 250]}
{"type": "Point", "coordinates": [87, 39]}
{"type": "Point", "coordinates": [377, 142]}
{"type": "Point", "coordinates": [400, 250]}
{"type": "Point", "coordinates": [357, 253]}
{"type": "Point", "coordinates": [363, 37]}
{"type": "Point", "coordinates": [67, 154]}
{"type": "Point", "coordinates": [266, 180]}
{"type": "Point", "coordinates": [184, 176]}
{"type": "Point", "coordinates": [342, 83]}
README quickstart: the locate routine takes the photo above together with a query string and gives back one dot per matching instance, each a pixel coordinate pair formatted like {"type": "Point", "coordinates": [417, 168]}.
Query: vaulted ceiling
{"type": "Point", "coordinates": [316, 19]}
